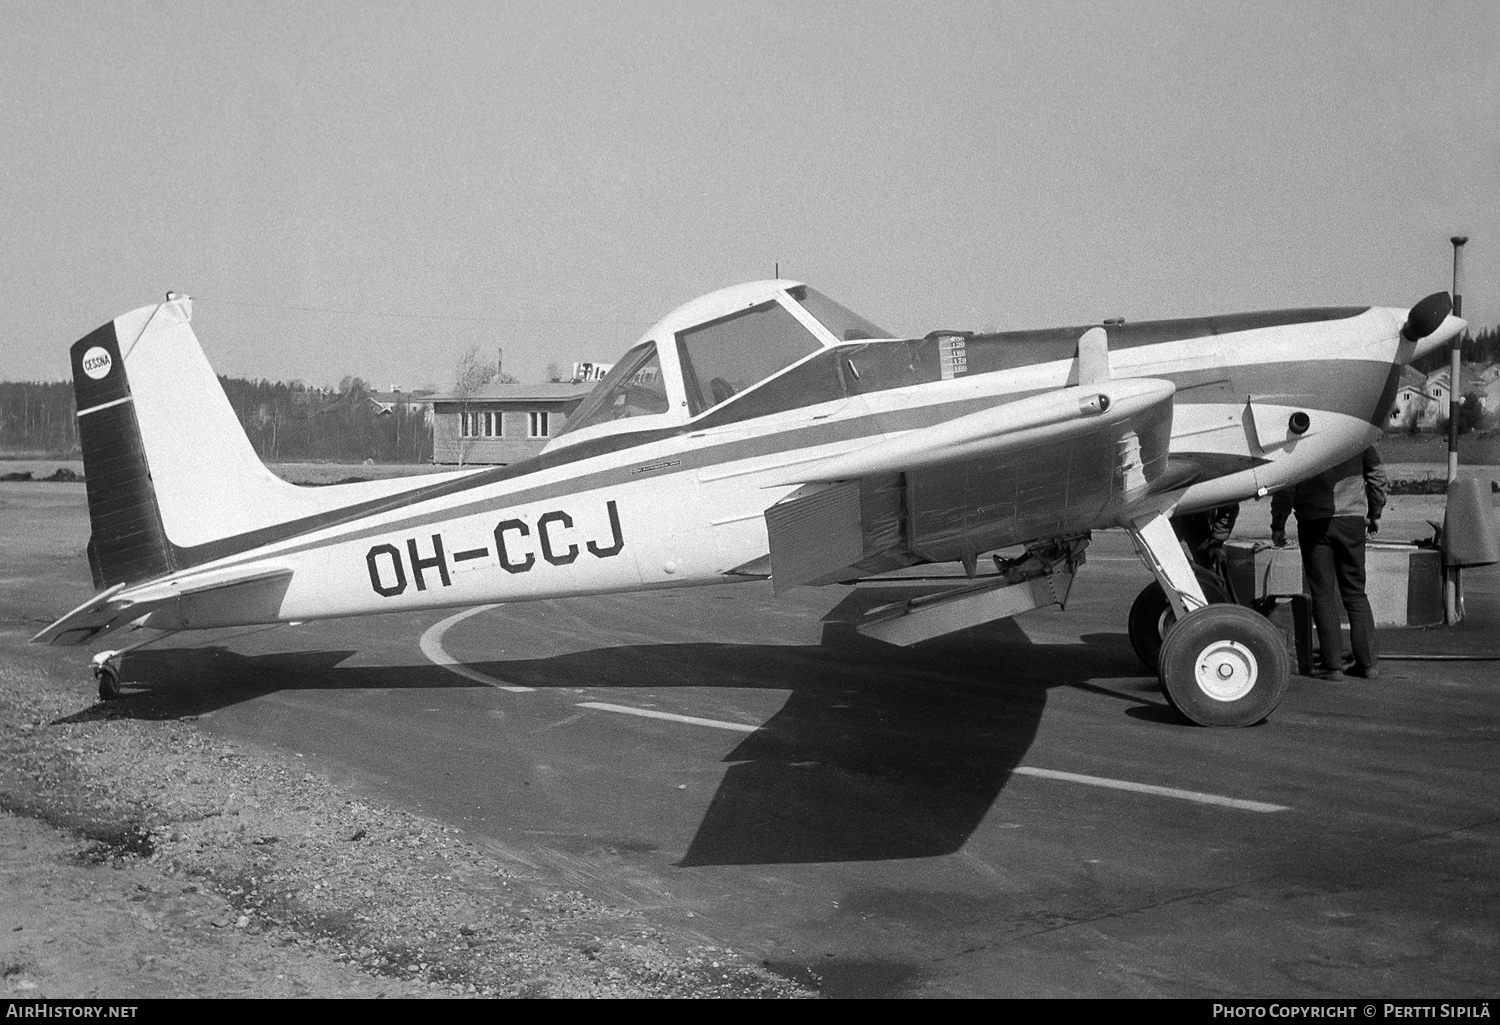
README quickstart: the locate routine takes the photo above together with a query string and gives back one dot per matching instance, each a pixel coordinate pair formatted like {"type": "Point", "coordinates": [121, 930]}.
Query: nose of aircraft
{"type": "Point", "coordinates": [1429, 324]}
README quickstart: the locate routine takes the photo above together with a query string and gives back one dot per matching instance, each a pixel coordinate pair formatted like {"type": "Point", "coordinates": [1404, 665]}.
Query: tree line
{"type": "Point", "coordinates": [289, 422]}
{"type": "Point", "coordinates": [285, 422]}
{"type": "Point", "coordinates": [1483, 348]}
{"type": "Point", "coordinates": [37, 417]}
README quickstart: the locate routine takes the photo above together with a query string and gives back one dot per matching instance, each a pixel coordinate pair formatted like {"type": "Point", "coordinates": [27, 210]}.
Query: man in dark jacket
{"type": "Point", "coordinates": [1334, 511]}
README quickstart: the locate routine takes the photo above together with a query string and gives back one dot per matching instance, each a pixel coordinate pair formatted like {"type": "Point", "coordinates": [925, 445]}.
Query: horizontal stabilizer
{"type": "Point", "coordinates": [249, 593]}
{"type": "Point", "coordinates": [81, 618]}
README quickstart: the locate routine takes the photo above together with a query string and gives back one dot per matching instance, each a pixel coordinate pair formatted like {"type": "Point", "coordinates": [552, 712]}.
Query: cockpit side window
{"type": "Point", "coordinates": [841, 322]}
{"type": "Point", "coordinates": [633, 388]}
{"type": "Point", "coordinates": [726, 356]}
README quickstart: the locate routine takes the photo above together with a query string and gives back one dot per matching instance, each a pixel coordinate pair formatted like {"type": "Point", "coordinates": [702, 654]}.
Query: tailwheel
{"type": "Point", "coordinates": [107, 672]}
{"type": "Point", "coordinates": [109, 682]}
{"type": "Point", "coordinates": [1151, 615]}
{"type": "Point", "coordinates": [1224, 665]}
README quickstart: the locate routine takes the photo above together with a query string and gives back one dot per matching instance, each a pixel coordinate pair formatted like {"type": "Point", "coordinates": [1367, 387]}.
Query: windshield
{"type": "Point", "coordinates": [633, 388]}
{"type": "Point", "coordinates": [841, 322]}
{"type": "Point", "coordinates": [728, 355]}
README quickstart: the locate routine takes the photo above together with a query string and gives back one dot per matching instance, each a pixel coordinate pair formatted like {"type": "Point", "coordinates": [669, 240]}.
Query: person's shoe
{"type": "Point", "coordinates": [1365, 672]}
{"type": "Point", "coordinates": [1329, 675]}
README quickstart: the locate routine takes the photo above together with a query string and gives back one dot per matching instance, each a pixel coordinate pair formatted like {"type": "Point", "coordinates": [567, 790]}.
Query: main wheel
{"type": "Point", "coordinates": [1224, 665]}
{"type": "Point", "coordinates": [1151, 615]}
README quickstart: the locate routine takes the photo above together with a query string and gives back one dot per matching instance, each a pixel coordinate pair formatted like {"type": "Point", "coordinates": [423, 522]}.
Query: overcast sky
{"type": "Point", "coordinates": [361, 188]}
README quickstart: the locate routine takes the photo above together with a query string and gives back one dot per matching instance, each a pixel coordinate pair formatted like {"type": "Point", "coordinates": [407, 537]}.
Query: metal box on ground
{"type": "Point", "coordinates": [1404, 582]}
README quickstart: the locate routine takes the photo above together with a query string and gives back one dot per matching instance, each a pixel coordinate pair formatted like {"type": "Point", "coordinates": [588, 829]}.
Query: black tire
{"type": "Point", "coordinates": [1224, 665]}
{"type": "Point", "coordinates": [1151, 615]}
{"type": "Point", "coordinates": [109, 683]}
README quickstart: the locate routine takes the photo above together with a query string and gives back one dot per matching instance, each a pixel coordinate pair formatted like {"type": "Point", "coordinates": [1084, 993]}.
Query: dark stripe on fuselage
{"type": "Point", "coordinates": [739, 448]}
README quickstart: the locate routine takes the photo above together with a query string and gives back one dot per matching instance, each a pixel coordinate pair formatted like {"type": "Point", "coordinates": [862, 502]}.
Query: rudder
{"type": "Point", "coordinates": [128, 542]}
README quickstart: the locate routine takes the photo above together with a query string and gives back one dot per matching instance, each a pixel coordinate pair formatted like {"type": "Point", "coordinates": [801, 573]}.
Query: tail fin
{"type": "Point", "coordinates": [169, 467]}
{"type": "Point", "coordinates": [173, 481]}
{"type": "Point", "coordinates": [209, 483]}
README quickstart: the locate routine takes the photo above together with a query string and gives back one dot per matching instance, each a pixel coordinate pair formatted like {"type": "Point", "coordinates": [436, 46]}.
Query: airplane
{"type": "Point", "coordinates": [762, 431]}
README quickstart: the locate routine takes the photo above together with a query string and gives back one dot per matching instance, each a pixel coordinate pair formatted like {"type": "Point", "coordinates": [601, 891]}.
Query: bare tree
{"type": "Point", "coordinates": [470, 375]}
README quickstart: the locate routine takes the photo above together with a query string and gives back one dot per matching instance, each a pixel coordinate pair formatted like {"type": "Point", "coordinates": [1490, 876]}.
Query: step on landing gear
{"type": "Point", "coordinates": [1219, 664]}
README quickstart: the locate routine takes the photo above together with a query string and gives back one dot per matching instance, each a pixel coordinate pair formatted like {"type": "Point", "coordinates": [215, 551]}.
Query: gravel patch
{"type": "Point", "coordinates": [233, 873]}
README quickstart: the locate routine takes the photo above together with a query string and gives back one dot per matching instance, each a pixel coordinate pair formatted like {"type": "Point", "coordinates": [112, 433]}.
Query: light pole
{"type": "Point", "coordinates": [1453, 593]}
{"type": "Point", "coordinates": [1454, 397]}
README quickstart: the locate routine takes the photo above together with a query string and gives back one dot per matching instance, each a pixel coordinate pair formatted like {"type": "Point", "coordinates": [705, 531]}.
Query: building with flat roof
{"type": "Point", "coordinates": [501, 423]}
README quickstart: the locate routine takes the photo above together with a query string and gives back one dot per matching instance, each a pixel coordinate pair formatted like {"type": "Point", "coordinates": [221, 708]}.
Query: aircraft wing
{"type": "Point", "coordinates": [1047, 465]}
{"type": "Point", "coordinates": [170, 603]}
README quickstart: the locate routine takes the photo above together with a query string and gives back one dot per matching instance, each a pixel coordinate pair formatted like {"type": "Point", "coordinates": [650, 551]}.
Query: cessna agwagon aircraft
{"type": "Point", "coordinates": [760, 431]}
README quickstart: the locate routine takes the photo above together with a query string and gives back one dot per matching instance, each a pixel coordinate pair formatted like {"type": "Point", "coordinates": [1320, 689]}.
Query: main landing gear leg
{"type": "Point", "coordinates": [1220, 665]}
{"type": "Point", "coordinates": [1160, 605]}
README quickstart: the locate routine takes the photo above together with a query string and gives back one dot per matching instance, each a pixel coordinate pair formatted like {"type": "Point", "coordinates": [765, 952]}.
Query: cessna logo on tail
{"type": "Point", "coordinates": [96, 363]}
{"type": "Point", "coordinates": [388, 568]}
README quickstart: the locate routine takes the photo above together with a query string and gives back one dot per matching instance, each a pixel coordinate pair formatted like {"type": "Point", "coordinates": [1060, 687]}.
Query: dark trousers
{"type": "Point", "coordinates": [1333, 560]}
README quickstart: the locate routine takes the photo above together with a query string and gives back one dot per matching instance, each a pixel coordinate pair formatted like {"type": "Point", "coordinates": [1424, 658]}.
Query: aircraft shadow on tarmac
{"type": "Point", "coordinates": [877, 753]}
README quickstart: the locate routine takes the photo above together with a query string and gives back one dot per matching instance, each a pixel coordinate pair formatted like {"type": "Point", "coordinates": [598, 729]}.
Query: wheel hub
{"type": "Point", "coordinates": [1226, 670]}
{"type": "Point", "coordinates": [1165, 622]}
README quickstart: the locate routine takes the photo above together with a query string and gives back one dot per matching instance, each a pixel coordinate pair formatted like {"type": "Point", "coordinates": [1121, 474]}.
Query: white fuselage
{"type": "Point", "coordinates": [688, 507]}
